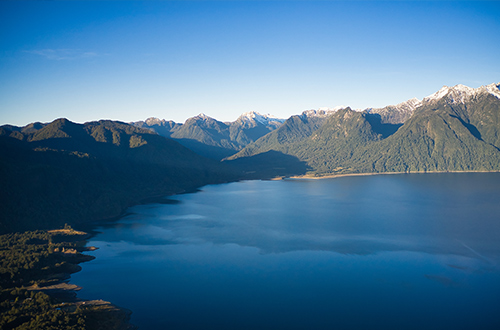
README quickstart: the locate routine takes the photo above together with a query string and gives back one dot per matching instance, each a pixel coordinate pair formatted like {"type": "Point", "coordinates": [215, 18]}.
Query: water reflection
{"type": "Point", "coordinates": [361, 216]}
{"type": "Point", "coordinates": [388, 252]}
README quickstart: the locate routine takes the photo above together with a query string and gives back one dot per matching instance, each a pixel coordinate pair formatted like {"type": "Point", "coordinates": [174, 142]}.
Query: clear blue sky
{"type": "Point", "coordinates": [129, 60]}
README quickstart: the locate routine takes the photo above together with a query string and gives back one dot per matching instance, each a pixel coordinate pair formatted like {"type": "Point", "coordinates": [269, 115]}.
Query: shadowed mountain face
{"type": "Point", "coordinates": [456, 129]}
{"type": "Point", "coordinates": [206, 136]}
{"type": "Point", "coordinates": [378, 126]}
{"type": "Point", "coordinates": [212, 138]}
{"type": "Point", "coordinates": [269, 164]}
{"type": "Point", "coordinates": [160, 126]}
{"type": "Point", "coordinates": [64, 172]}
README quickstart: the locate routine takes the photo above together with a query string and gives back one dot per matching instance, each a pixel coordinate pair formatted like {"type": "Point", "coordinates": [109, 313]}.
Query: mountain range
{"type": "Point", "coordinates": [212, 138]}
{"type": "Point", "coordinates": [64, 172]}
{"type": "Point", "coordinates": [454, 129]}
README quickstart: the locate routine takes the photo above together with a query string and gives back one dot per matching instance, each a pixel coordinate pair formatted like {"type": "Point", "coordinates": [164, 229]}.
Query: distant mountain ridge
{"type": "Point", "coordinates": [396, 114]}
{"type": "Point", "coordinates": [266, 120]}
{"type": "Point", "coordinates": [212, 138]}
{"type": "Point", "coordinates": [399, 113]}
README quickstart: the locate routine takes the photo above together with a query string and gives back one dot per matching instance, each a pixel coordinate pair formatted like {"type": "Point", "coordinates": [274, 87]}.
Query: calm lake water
{"type": "Point", "coordinates": [407, 251]}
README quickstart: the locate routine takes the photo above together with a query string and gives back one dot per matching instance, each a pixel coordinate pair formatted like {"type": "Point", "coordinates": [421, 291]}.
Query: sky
{"type": "Point", "coordinates": [130, 60]}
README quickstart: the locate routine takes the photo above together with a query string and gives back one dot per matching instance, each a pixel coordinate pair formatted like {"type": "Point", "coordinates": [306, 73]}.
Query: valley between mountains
{"type": "Point", "coordinates": [64, 172]}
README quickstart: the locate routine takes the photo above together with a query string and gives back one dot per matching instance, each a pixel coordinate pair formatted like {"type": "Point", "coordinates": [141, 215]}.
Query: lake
{"type": "Point", "coordinates": [407, 251]}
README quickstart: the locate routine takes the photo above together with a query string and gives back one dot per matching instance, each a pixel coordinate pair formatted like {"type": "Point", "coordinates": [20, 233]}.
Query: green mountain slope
{"type": "Point", "coordinates": [71, 173]}
{"type": "Point", "coordinates": [283, 139]}
{"type": "Point", "coordinates": [443, 137]}
{"type": "Point", "coordinates": [324, 143]}
{"type": "Point", "coordinates": [330, 148]}
{"type": "Point", "coordinates": [455, 129]}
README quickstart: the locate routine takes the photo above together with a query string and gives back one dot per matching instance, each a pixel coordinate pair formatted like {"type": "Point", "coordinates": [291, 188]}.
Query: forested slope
{"type": "Point", "coordinates": [64, 172]}
{"type": "Point", "coordinates": [455, 129]}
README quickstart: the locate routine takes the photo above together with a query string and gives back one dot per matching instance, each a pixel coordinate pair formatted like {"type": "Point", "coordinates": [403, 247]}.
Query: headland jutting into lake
{"type": "Point", "coordinates": [35, 294]}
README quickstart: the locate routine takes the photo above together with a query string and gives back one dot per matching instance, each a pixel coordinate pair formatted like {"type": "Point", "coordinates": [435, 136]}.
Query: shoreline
{"type": "Point", "coordinates": [44, 289]}
{"type": "Point", "coordinates": [333, 176]}
{"type": "Point", "coordinates": [119, 315]}
{"type": "Point", "coordinates": [166, 200]}
{"type": "Point", "coordinates": [90, 228]}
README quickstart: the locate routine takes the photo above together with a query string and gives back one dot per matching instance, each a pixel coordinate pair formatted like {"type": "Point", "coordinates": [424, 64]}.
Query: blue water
{"type": "Point", "coordinates": [374, 252]}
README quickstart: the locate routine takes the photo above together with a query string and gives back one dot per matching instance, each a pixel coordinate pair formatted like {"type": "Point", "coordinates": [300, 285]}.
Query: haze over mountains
{"type": "Point", "coordinates": [76, 173]}
{"type": "Point", "coordinates": [212, 138]}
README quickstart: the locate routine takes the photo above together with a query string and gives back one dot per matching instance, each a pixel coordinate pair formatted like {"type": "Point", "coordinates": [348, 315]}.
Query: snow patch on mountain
{"type": "Point", "coordinates": [316, 113]}
{"type": "Point", "coordinates": [437, 95]}
{"type": "Point", "coordinates": [406, 106]}
{"type": "Point", "coordinates": [265, 120]}
{"type": "Point", "coordinates": [411, 104]}
{"type": "Point", "coordinates": [151, 121]}
{"type": "Point", "coordinates": [203, 116]}
{"type": "Point", "coordinates": [322, 112]}
{"type": "Point", "coordinates": [461, 93]}
{"type": "Point", "coordinates": [396, 114]}
{"type": "Point", "coordinates": [493, 89]}
{"type": "Point", "coordinates": [334, 109]}
{"type": "Point", "coordinates": [392, 113]}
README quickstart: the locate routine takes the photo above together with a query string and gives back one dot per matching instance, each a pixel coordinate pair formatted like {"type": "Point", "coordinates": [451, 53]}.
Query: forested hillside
{"type": "Point", "coordinates": [64, 172]}
{"type": "Point", "coordinates": [455, 129]}
{"type": "Point", "coordinates": [34, 268]}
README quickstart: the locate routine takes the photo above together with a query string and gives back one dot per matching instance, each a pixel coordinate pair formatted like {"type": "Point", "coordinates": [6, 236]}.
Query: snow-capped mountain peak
{"type": "Point", "coordinates": [315, 113]}
{"type": "Point", "coordinates": [461, 93]}
{"type": "Point", "coordinates": [493, 89]}
{"type": "Point", "coordinates": [437, 95]}
{"type": "Point", "coordinates": [151, 121]}
{"type": "Point", "coordinates": [322, 111]}
{"type": "Point", "coordinates": [334, 109]}
{"type": "Point", "coordinates": [263, 119]}
{"type": "Point", "coordinates": [413, 103]}
{"type": "Point", "coordinates": [203, 116]}
{"type": "Point", "coordinates": [396, 114]}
